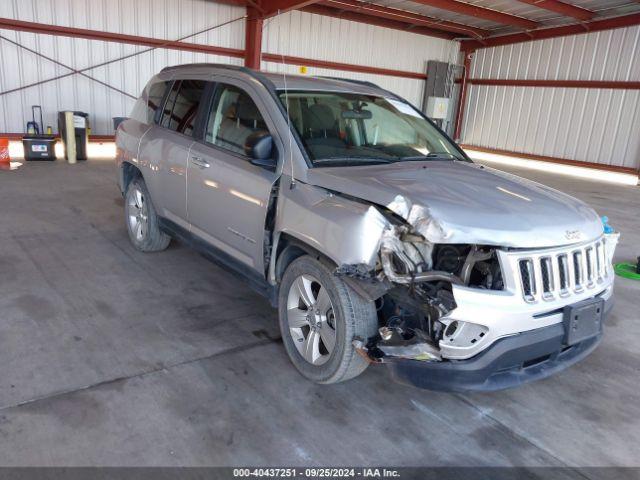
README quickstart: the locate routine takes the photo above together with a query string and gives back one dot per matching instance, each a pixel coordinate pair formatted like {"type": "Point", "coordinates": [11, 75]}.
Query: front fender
{"type": "Point", "coordinates": [346, 231]}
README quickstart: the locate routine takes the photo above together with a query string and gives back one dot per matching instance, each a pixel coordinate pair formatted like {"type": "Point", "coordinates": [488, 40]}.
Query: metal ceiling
{"type": "Point", "coordinates": [467, 19]}
{"type": "Point", "coordinates": [546, 18]}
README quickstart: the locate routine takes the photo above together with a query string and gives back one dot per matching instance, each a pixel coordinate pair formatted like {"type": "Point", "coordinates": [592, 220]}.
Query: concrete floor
{"type": "Point", "coordinates": [113, 357]}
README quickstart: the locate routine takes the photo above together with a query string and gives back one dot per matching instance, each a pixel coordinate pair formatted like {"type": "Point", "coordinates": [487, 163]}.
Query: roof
{"type": "Point", "coordinates": [526, 10]}
{"type": "Point", "coordinates": [279, 81]}
{"type": "Point", "coordinates": [477, 19]}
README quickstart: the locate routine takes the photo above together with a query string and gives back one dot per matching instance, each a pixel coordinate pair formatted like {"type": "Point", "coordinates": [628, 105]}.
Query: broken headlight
{"type": "Point", "coordinates": [408, 258]}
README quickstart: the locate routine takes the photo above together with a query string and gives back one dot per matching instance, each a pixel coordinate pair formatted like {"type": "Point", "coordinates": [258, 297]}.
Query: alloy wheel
{"type": "Point", "coordinates": [311, 319]}
{"type": "Point", "coordinates": [138, 214]}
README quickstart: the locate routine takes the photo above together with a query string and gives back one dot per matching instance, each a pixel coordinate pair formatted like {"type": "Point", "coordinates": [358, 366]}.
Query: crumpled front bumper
{"type": "Point", "coordinates": [509, 362]}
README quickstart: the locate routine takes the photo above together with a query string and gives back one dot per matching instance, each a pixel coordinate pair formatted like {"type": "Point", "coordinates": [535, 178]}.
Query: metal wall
{"type": "Point", "coordinates": [320, 37]}
{"type": "Point", "coordinates": [593, 125]}
{"type": "Point", "coordinates": [164, 19]}
{"type": "Point", "coordinates": [296, 34]}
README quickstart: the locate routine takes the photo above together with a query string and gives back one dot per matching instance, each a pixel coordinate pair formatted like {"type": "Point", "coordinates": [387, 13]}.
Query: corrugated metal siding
{"type": "Point", "coordinates": [295, 33]}
{"type": "Point", "coordinates": [593, 125]}
{"type": "Point", "coordinates": [165, 19]}
{"type": "Point", "coordinates": [314, 36]}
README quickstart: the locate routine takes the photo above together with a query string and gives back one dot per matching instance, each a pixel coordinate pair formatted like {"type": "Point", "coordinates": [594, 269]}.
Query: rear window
{"type": "Point", "coordinates": [182, 106]}
{"type": "Point", "coordinates": [154, 99]}
{"type": "Point", "coordinates": [149, 102]}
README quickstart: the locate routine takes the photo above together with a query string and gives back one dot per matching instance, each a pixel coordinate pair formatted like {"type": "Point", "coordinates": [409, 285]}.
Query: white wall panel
{"type": "Point", "coordinates": [320, 37]}
{"type": "Point", "coordinates": [606, 55]}
{"type": "Point", "coordinates": [165, 19]}
{"type": "Point", "coordinates": [407, 88]}
{"type": "Point", "coordinates": [593, 125]}
{"type": "Point", "coordinates": [295, 34]}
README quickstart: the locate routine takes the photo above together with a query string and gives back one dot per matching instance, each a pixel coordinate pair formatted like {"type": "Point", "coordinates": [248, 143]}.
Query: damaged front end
{"type": "Point", "coordinates": [480, 317]}
{"type": "Point", "coordinates": [413, 312]}
{"type": "Point", "coordinates": [455, 309]}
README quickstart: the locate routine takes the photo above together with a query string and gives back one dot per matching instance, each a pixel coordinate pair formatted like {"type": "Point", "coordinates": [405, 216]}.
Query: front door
{"type": "Point", "coordinates": [228, 196]}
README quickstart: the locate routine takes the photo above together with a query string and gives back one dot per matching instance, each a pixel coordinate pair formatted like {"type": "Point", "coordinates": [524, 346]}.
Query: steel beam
{"type": "Point", "coordinates": [462, 99]}
{"type": "Point", "coordinates": [410, 18]}
{"type": "Point", "coordinates": [480, 12]}
{"type": "Point", "coordinates": [253, 39]}
{"type": "Point", "coordinates": [543, 33]}
{"type": "Point", "coordinates": [20, 25]}
{"type": "Point", "coordinates": [348, 67]}
{"type": "Point", "coordinates": [276, 7]}
{"type": "Point", "coordinates": [606, 84]}
{"type": "Point", "coordinates": [562, 8]}
{"type": "Point", "coordinates": [377, 21]}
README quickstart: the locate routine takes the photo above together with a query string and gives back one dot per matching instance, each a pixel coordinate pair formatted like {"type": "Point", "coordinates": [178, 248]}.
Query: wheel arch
{"type": "Point", "coordinates": [128, 172]}
{"type": "Point", "coordinates": [289, 248]}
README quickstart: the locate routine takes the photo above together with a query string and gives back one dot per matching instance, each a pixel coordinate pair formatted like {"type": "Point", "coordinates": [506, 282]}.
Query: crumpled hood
{"type": "Point", "coordinates": [459, 202]}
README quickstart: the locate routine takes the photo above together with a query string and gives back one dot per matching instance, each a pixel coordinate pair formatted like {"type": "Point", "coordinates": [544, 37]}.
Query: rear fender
{"type": "Point", "coordinates": [128, 138]}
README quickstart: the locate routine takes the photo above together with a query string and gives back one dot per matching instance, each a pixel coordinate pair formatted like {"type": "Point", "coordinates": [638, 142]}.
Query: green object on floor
{"type": "Point", "coordinates": [627, 270]}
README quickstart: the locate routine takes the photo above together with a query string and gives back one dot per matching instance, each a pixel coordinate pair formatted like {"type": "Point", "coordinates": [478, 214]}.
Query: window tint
{"type": "Point", "coordinates": [233, 117]}
{"type": "Point", "coordinates": [182, 105]}
{"type": "Point", "coordinates": [154, 99]}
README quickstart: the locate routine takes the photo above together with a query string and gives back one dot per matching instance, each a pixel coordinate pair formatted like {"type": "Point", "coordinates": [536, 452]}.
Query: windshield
{"type": "Point", "coordinates": [349, 128]}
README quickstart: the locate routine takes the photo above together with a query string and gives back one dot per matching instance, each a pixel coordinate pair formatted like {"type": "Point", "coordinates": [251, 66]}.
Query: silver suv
{"type": "Point", "coordinates": [372, 232]}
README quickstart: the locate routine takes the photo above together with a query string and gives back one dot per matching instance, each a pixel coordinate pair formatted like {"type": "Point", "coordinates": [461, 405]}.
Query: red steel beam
{"type": "Point", "coordinates": [544, 33]}
{"type": "Point", "coordinates": [480, 12]}
{"type": "Point", "coordinates": [462, 100]}
{"type": "Point", "coordinates": [289, 60]}
{"type": "Point", "coordinates": [404, 16]}
{"type": "Point", "coordinates": [253, 39]}
{"type": "Point", "coordinates": [380, 22]}
{"type": "Point", "coordinates": [41, 28]}
{"type": "Point", "coordinates": [19, 25]}
{"type": "Point", "coordinates": [275, 7]}
{"type": "Point", "coordinates": [562, 8]}
{"type": "Point", "coordinates": [614, 85]}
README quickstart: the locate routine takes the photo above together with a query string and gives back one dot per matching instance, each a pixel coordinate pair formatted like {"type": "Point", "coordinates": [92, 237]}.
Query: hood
{"type": "Point", "coordinates": [460, 202]}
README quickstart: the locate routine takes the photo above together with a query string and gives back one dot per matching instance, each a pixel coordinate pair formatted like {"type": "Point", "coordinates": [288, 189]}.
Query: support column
{"type": "Point", "coordinates": [468, 55]}
{"type": "Point", "coordinates": [253, 39]}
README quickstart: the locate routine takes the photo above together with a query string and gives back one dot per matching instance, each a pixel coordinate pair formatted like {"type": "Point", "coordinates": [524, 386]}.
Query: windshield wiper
{"type": "Point", "coordinates": [352, 160]}
{"type": "Point", "coordinates": [432, 156]}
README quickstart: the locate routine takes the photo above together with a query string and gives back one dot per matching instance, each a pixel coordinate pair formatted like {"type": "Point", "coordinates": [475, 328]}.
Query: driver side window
{"type": "Point", "coordinates": [233, 117]}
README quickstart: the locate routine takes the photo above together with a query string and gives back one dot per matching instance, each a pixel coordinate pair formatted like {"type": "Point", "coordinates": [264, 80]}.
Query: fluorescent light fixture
{"type": "Point", "coordinates": [549, 167]}
{"type": "Point", "coordinates": [95, 150]}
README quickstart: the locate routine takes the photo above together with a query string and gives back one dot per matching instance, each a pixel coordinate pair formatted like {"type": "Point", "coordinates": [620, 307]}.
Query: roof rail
{"type": "Point", "coordinates": [203, 64]}
{"type": "Point", "coordinates": [351, 80]}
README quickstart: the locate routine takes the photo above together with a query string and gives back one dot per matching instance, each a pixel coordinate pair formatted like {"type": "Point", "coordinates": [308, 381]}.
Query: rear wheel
{"type": "Point", "coordinates": [320, 316]}
{"type": "Point", "coordinates": [142, 220]}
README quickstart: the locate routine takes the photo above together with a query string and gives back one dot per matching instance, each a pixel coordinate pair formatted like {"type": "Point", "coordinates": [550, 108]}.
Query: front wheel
{"type": "Point", "coordinates": [320, 316]}
{"type": "Point", "coordinates": [142, 220]}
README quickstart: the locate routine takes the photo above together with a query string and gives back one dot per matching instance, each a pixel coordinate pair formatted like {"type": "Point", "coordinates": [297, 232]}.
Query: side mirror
{"type": "Point", "coordinates": [259, 148]}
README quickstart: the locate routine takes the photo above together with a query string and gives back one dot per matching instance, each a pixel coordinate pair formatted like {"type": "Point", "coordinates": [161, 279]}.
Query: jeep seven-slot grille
{"type": "Point", "coordinates": [546, 276]}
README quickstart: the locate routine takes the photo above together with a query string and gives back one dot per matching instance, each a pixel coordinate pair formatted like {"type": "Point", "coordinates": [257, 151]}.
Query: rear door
{"type": "Point", "coordinates": [228, 196]}
{"type": "Point", "coordinates": [165, 148]}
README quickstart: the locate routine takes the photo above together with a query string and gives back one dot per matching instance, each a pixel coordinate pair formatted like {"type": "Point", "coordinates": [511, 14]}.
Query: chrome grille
{"type": "Point", "coordinates": [546, 276]}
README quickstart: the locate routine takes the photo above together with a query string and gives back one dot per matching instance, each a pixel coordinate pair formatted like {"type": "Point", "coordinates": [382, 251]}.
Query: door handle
{"type": "Point", "coordinates": [200, 162]}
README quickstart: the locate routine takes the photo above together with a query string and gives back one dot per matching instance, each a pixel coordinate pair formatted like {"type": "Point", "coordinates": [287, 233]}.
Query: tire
{"type": "Point", "coordinates": [351, 315]}
{"type": "Point", "coordinates": [141, 219]}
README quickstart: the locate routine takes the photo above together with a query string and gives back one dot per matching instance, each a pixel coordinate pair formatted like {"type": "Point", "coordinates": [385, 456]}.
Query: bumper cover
{"type": "Point", "coordinates": [509, 362]}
